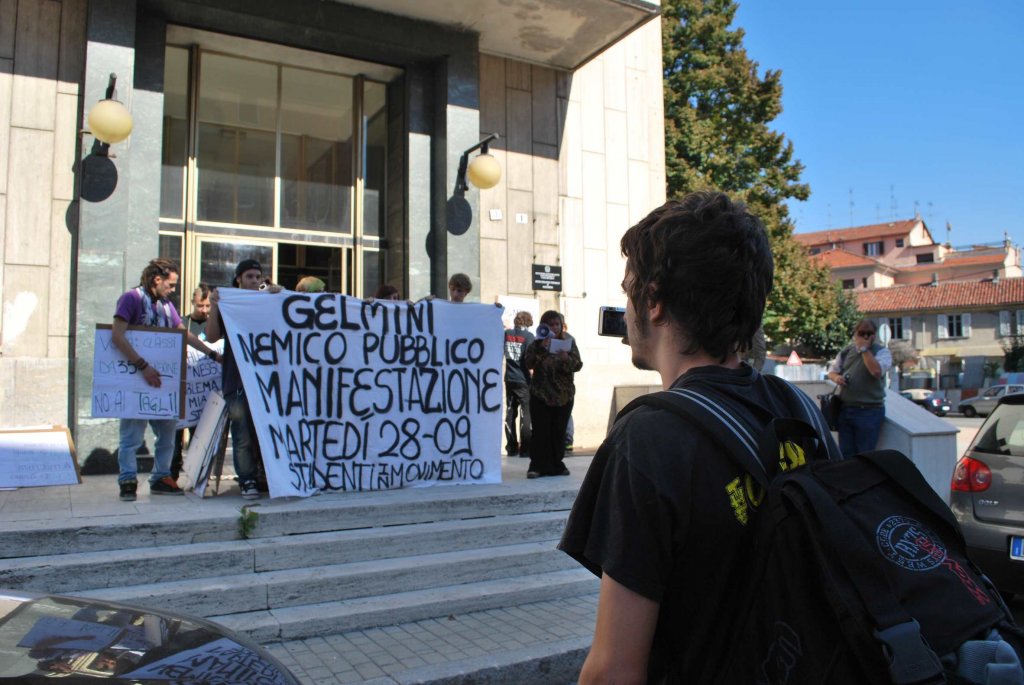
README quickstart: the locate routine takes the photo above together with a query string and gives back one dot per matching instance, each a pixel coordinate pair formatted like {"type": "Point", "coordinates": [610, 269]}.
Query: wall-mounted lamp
{"type": "Point", "coordinates": [484, 172]}
{"type": "Point", "coordinates": [109, 121]}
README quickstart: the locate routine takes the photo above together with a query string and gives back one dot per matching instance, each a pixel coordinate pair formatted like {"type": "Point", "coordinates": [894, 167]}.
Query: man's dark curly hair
{"type": "Point", "coordinates": [707, 259]}
{"type": "Point", "coordinates": [157, 267]}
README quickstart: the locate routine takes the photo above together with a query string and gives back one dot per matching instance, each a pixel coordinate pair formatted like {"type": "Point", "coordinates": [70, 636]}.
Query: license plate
{"type": "Point", "coordinates": [1016, 548]}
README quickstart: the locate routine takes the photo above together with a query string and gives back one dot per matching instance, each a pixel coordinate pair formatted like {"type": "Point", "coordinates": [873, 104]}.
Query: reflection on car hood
{"type": "Point", "coordinates": [82, 641]}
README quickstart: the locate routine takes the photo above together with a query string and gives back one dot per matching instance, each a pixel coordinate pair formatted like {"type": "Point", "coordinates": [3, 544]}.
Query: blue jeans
{"type": "Point", "coordinates": [859, 428]}
{"type": "Point", "coordinates": [240, 421]}
{"type": "Point", "coordinates": [132, 433]}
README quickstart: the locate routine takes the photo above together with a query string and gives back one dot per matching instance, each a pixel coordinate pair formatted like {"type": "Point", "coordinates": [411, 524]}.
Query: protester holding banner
{"type": "Point", "coordinates": [310, 284]}
{"type": "Point", "coordinates": [148, 305]}
{"type": "Point", "coordinates": [554, 358]}
{"type": "Point", "coordinates": [244, 446]}
{"type": "Point", "coordinates": [387, 292]}
{"type": "Point", "coordinates": [459, 286]}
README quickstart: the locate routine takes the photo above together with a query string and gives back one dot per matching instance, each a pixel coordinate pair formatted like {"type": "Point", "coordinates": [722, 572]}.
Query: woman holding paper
{"type": "Point", "coordinates": [553, 358]}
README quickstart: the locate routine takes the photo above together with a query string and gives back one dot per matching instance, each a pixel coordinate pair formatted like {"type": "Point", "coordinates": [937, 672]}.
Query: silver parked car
{"type": "Point", "coordinates": [984, 403]}
{"type": "Point", "coordinates": [987, 495]}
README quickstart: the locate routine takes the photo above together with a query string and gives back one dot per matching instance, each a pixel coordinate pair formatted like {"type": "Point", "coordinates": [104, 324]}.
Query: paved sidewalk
{"type": "Point", "coordinates": [436, 649]}
{"type": "Point", "coordinates": [95, 501]}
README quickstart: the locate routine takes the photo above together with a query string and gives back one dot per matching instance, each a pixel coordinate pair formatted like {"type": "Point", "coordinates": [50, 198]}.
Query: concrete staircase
{"type": "Point", "coordinates": [326, 566]}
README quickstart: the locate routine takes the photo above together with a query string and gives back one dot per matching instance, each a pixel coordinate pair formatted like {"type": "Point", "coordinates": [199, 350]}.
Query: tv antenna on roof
{"type": "Point", "coordinates": [851, 206]}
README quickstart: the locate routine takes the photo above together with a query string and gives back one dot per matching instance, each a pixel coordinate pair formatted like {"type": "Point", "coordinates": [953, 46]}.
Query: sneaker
{"type": "Point", "coordinates": [165, 486]}
{"type": "Point", "coordinates": [533, 474]}
{"type": "Point", "coordinates": [249, 490]}
{"type": "Point", "coordinates": [128, 488]}
{"type": "Point", "coordinates": [563, 472]}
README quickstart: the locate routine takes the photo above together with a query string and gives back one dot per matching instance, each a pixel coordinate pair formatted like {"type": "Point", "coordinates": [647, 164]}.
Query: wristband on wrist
{"type": "Point", "coordinates": [140, 364]}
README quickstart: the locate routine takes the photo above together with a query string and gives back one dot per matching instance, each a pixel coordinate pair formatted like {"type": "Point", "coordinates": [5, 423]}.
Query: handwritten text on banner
{"type": "Point", "coordinates": [118, 388]}
{"type": "Point", "coordinates": [348, 395]}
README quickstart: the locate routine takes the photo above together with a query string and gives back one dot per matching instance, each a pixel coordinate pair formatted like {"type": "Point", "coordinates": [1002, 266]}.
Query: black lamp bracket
{"type": "Point", "coordinates": [461, 186]}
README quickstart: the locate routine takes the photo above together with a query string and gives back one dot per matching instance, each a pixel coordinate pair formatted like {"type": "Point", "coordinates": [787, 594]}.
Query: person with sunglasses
{"type": "Point", "coordinates": [859, 370]}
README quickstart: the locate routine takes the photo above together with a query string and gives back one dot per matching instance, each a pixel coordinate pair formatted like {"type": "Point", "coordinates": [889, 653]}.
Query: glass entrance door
{"type": "Point", "coordinates": [270, 154]}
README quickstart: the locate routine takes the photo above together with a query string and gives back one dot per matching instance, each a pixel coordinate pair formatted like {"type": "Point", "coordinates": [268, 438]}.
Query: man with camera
{"type": "Point", "coordinates": [859, 371]}
{"type": "Point", "coordinates": [659, 516]}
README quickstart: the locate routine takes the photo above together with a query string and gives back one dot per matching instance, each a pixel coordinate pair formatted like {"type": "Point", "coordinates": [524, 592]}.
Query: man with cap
{"type": "Point", "coordinates": [248, 276]}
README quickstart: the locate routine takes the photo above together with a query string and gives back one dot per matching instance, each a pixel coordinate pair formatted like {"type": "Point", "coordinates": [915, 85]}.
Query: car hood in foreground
{"type": "Point", "coordinates": [82, 641]}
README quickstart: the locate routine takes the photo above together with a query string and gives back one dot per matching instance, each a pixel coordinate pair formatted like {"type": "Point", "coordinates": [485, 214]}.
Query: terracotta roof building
{"type": "Point", "coordinates": [954, 327]}
{"type": "Point", "coordinates": [904, 252]}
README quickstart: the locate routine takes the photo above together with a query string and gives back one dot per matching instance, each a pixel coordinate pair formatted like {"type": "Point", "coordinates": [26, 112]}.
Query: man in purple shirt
{"type": "Point", "coordinates": [147, 305]}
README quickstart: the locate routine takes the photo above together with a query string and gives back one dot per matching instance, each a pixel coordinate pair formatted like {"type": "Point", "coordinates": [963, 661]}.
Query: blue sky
{"type": "Point", "coordinates": [900, 101]}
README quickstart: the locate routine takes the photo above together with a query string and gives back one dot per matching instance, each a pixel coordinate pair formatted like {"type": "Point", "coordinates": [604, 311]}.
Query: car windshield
{"type": "Point", "coordinates": [63, 637]}
{"type": "Point", "coordinates": [1003, 431]}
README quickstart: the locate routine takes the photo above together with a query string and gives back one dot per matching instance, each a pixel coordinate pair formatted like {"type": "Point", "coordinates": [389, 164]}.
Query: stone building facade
{"type": "Point", "coordinates": [323, 137]}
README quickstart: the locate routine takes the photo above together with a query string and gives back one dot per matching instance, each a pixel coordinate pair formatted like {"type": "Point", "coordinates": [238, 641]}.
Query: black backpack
{"type": "Point", "coordinates": [860, 573]}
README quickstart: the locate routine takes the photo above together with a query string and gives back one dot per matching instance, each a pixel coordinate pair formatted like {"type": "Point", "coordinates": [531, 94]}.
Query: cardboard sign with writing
{"type": "Point", "coordinates": [349, 395]}
{"type": "Point", "coordinates": [202, 377]}
{"type": "Point", "coordinates": [35, 457]}
{"type": "Point", "coordinates": [118, 388]}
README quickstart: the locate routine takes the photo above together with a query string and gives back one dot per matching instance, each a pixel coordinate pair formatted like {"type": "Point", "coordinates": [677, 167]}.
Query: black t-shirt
{"type": "Point", "coordinates": [230, 379]}
{"type": "Point", "coordinates": [516, 342]}
{"type": "Point", "coordinates": [665, 513]}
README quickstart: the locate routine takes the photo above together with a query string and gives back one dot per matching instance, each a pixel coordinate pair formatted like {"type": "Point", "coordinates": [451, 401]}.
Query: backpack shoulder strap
{"type": "Point", "coordinates": [804, 408]}
{"type": "Point", "coordinates": [714, 419]}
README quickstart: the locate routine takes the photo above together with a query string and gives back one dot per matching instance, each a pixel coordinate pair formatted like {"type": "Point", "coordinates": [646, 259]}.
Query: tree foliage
{"type": "Point", "coordinates": [718, 112]}
{"type": "Point", "coordinates": [1013, 348]}
{"type": "Point", "coordinates": [838, 332]}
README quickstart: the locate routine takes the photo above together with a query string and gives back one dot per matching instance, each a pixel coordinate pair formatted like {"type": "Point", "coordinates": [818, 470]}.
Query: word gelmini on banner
{"type": "Point", "coordinates": [350, 395]}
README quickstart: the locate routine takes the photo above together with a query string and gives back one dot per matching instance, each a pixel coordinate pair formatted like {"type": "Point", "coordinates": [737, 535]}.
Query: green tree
{"type": "Point", "coordinates": [837, 333]}
{"type": "Point", "coordinates": [1014, 354]}
{"type": "Point", "coordinates": [717, 135]}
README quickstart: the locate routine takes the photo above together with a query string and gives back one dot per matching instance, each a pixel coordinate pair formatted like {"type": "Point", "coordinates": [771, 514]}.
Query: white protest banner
{"type": "Point", "coordinates": [34, 457]}
{"type": "Point", "coordinates": [204, 443]}
{"type": "Point", "coordinates": [349, 395]}
{"type": "Point", "coordinates": [203, 376]}
{"type": "Point", "coordinates": [118, 389]}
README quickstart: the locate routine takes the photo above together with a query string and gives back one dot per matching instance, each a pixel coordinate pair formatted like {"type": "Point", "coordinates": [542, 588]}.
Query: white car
{"type": "Point", "coordinates": [984, 403]}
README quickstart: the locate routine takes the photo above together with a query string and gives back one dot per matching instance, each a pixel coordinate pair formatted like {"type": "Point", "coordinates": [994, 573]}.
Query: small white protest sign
{"type": "Point", "coordinates": [118, 388]}
{"type": "Point", "coordinates": [202, 377]}
{"type": "Point", "coordinates": [37, 457]}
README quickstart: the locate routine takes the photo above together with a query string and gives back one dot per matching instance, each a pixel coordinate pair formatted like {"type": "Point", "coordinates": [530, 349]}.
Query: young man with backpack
{"type": "Point", "coordinates": [662, 516]}
{"type": "Point", "coordinates": [733, 544]}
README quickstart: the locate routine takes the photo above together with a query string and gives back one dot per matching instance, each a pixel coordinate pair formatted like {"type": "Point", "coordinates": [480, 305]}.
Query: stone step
{"type": "Point", "coordinates": [152, 565]}
{"type": "Point", "coordinates": [297, 587]}
{"type": "Point", "coordinates": [540, 643]}
{"type": "Point", "coordinates": [330, 618]}
{"type": "Point", "coordinates": [217, 519]}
